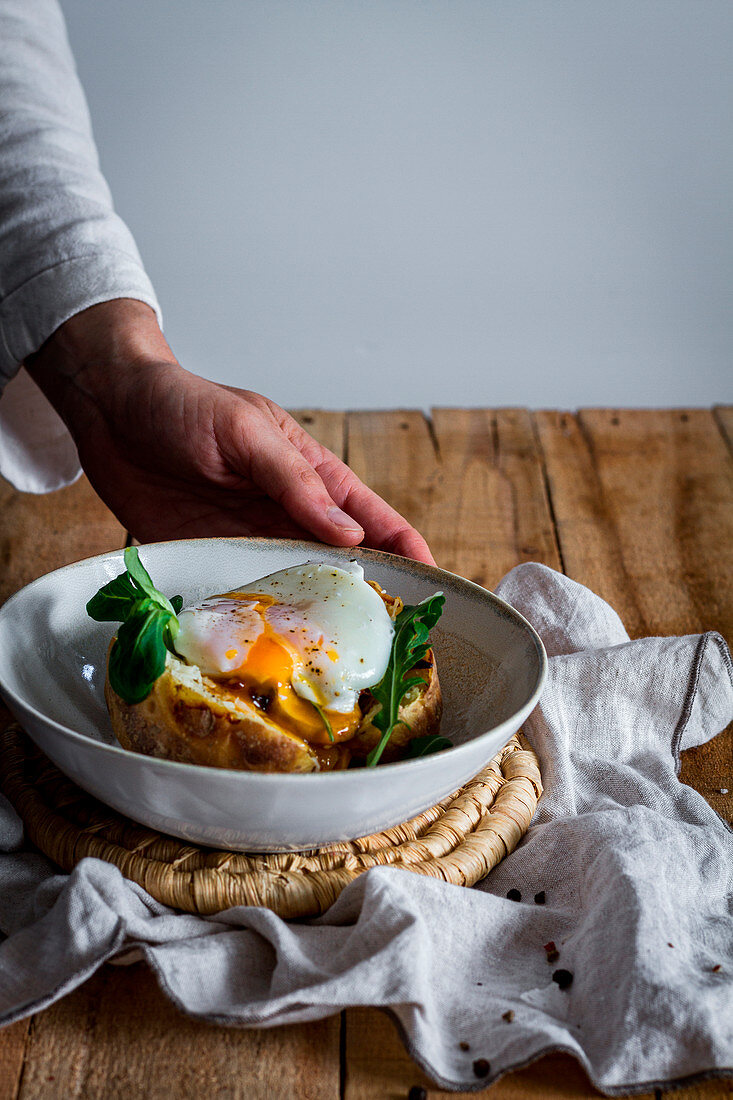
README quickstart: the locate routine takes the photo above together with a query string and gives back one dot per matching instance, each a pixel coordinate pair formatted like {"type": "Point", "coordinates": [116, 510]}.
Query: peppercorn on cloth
{"type": "Point", "coordinates": [607, 933]}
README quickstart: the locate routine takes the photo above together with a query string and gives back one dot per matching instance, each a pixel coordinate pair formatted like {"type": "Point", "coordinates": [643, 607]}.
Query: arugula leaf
{"type": "Point", "coordinates": [149, 627]}
{"type": "Point", "coordinates": [424, 746]}
{"type": "Point", "coordinates": [409, 645]}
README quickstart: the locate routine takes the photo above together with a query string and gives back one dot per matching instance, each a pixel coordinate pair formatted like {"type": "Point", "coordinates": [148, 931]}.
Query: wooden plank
{"type": "Point", "coordinates": [724, 418]}
{"type": "Point", "coordinates": [41, 533]}
{"type": "Point", "coordinates": [393, 452]}
{"type": "Point", "coordinates": [118, 1035]}
{"type": "Point", "coordinates": [667, 479]}
{"type": "Point", "coordinates": [643, 501]}
{"type": "Point", "coordinates": [714, 1089]}
{"type": "Point", "coordinates": [492, 511]}
{"type": "Point", "coordinates": [470, 481]}
{"type": "Point", "coordinates": [13, 1041]}
{"type": "Point", "coordinates": [589, 542]}
{"type": "Point", "coordinates": [644, 508]}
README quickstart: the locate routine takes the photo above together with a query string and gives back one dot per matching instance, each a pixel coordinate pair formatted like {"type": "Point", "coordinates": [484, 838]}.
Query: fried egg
{"type": "Point", "coordinates": [301, 644]}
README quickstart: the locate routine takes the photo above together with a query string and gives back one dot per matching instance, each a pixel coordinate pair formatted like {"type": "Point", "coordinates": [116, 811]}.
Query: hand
{"type": "Point", "coordinates": [175, 456]}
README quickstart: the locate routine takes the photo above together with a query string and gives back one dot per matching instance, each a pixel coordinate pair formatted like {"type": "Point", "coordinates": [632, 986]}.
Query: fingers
{"type": "Point", "coordinates": [408, 543]}
{"type": "Point", "coordinates": [279, 469]}
{"type": "Point", "coordinates": [384, 528]}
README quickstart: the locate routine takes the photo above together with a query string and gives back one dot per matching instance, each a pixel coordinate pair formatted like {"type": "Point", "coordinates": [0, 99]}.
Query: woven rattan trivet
{"type": "Point", "coordinates": [459, 840]}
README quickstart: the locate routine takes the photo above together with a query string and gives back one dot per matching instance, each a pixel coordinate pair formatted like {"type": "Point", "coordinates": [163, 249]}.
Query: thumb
{"type": "Point", "coordinates": [278, 468]}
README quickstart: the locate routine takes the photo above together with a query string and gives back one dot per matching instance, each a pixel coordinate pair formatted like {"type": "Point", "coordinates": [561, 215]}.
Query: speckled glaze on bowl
{"type": "Point", "coordinates": [492, 668]}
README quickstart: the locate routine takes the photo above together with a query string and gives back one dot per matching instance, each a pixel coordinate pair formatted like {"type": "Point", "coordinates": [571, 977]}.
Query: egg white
{"type": "Point", "coordinates": [332, 623]}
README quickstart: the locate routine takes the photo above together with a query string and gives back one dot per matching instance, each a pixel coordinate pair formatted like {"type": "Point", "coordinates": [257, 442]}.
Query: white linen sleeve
{"type": "Point", "coordinates": [62, 246]}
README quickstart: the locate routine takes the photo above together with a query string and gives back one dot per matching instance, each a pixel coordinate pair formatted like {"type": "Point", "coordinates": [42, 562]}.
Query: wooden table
{"type": "Point", "coordinates": [636, 504]}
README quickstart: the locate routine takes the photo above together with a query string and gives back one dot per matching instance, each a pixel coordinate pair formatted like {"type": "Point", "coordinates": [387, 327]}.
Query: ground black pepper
{"type": "Point", "coordinates": [508, 1016]}
{"type": "Point", "coordinates": [563, 978]}
{"type": "Point", "coordinates": [481, 1067]}
{"type": "Point", "coordinates": [514, 895]}
{"type": "Point", "coordinates": [417, 1092]}
{"type": "Point", "coordinates": [540, 898]}
{"type": "Point", "coordinates": [464, 1045]}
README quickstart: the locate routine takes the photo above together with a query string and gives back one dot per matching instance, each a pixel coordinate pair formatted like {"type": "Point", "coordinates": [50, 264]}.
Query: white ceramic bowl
{"type": "Point", "coordinates": [491, 663]}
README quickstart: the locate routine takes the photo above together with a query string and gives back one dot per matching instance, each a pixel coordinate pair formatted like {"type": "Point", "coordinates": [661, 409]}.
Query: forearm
{"type": "Point", "coordinates": [62, 247]}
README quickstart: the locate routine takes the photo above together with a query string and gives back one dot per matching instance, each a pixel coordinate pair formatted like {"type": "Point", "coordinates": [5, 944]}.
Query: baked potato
{"type": "Point", "coordinates": [192, 718]}
{"type": "Point", "coordinates": [198, 719]}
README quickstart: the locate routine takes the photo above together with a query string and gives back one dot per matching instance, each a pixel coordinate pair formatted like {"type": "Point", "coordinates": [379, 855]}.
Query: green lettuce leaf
{"type": "Point", "coordinates": [149, 625]}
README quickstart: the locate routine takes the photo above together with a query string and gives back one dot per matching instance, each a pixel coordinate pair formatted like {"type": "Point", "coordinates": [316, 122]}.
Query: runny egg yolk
{"type": "Point", "coordinates": [301, 645]}
{"type": "Point", "coordinates": [265, 678]}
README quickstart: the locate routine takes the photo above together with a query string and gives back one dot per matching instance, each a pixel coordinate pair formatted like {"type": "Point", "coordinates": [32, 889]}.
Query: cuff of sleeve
{"type": "Point", "coordinates": [37, 454]}
{"type": "Point", "coordinates": [36, 309]}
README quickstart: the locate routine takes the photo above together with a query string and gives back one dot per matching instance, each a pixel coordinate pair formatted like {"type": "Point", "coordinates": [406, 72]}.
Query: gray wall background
{"type": "Point", "coordinates": [371, 203]}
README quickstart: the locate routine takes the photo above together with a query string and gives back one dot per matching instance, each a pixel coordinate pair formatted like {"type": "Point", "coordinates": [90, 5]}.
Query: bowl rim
{"type": "Point", "coordinates": [347, 776]}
